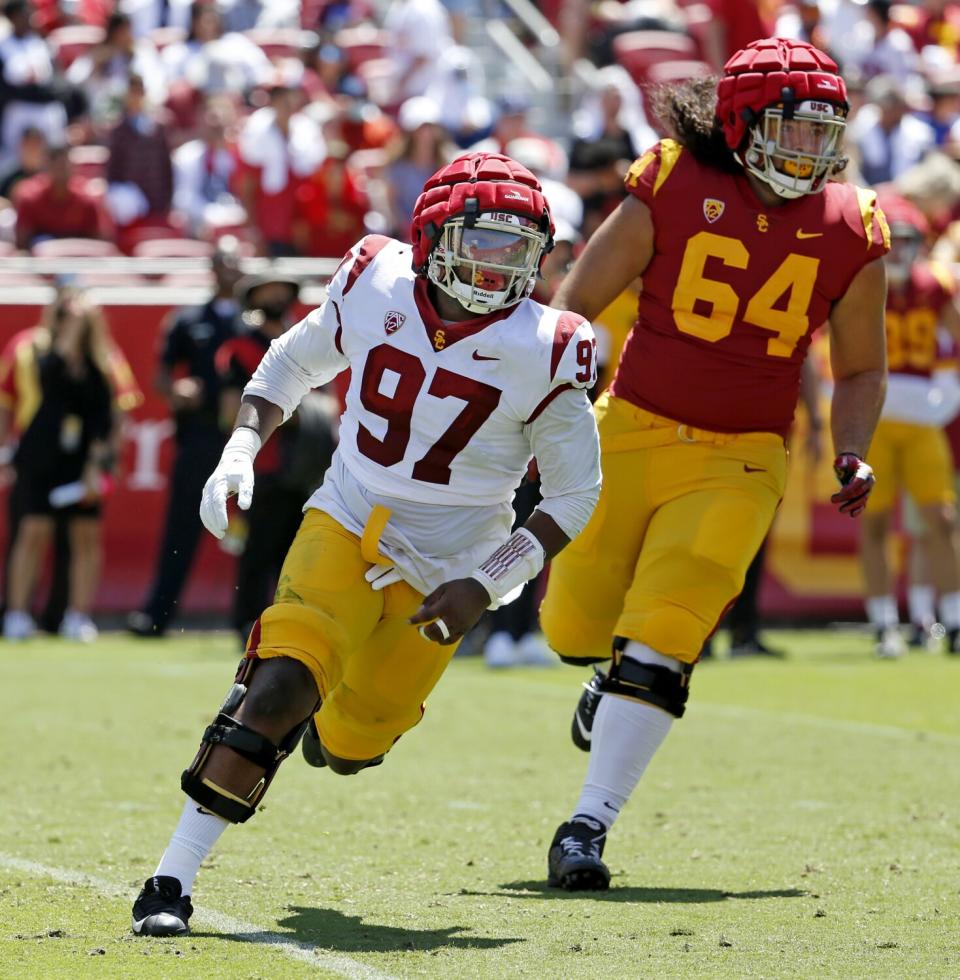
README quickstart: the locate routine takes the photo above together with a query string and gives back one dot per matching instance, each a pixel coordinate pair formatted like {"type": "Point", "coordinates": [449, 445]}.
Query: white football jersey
{"type": "Point", "coordinates": [436, 413]}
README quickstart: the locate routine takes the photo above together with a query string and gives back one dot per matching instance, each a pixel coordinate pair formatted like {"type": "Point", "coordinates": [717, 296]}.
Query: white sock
{"type": "Point", "coordinates": [626, 734]}
{"type": "Point", "coordinates": [921, 605]}
{"type": "Point", "coordinates": [196, 833]}
{"type": "Point", "coordinates": [882, 611]}
{"type": "Point", "coordinates": [950, 610]}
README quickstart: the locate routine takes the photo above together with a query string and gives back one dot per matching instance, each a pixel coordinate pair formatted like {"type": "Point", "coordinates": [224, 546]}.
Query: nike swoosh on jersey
{"type": "Point", "coordinates": [753, 469]}
{"type": "Point", "coordinates": [585, 732]}
{"type": "Point", "coordinates": [477, 356]}
{"type": "Point", "coordinates": [809, 234]}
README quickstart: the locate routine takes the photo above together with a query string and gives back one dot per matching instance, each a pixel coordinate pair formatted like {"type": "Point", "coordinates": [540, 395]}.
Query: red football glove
{"type": "Point", "coordinates": [856, 481]}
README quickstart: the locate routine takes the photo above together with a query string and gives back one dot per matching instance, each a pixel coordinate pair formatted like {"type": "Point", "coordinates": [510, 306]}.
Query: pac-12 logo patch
{"type": "Point", "coordinates": [393, 321]}
{"type": "Point", "coordinates": [712, 208]}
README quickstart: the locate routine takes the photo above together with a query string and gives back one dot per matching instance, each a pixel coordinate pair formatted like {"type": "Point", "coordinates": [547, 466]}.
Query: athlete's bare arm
{"type": "Point", "coordinates": [858, 357]}
{"type": "Point", "coordinates": [260, 415]}
{"type": "Point", "coordinates": [618, 252]}
{"type": "Point", "coordinates": [461, 603]}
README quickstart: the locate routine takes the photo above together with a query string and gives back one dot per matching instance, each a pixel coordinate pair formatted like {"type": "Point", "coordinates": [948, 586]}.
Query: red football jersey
{"type": "Point", "coordinates": [735, 289]}
{"type": "Point", "coordinates": [913, 313]}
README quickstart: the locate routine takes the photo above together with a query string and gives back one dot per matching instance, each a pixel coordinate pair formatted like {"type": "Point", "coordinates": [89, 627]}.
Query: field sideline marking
{"type": "Point", "coordinates": [343, 966]}
{"type": "Point", "coordinates": [863, 727]}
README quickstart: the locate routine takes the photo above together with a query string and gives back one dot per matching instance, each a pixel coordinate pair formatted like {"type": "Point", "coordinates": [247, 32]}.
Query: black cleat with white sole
{"type": "Point", "coordinates": [574, 859]}
{"type": "Point", "coordinates": [160, 909]}
{"type": "Point", "coordinates": [581, 730]}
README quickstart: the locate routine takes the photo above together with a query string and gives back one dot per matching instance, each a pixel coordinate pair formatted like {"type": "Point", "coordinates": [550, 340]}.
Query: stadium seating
{"type": "Point", "coordinates": [64, 248]}
{"type": "Point", "coordinates": [162, 36]}
{"type": "Point", "coordinates": [68, 43]}
{"type": "Point", "coordinates": [172, 248]}
{"type": "Point", "coordinates": [665, 72]}
{"type": "Point", "coordinates": [279, 42]}
{"type": "Point", "coordinates": [361, 44]}
{"type": "Point", "coordinates": [637, 51]}
{"type": "Point", "coordinates": [89, 162]}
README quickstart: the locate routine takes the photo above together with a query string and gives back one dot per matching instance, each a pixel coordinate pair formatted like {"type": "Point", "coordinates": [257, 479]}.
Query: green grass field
{"type": "Point", "coordinates": [801, 821]}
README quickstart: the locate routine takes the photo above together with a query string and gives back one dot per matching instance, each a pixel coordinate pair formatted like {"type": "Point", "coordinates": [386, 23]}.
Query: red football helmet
{"type": "Point", "coordinates": [480, 230]}
{"type": "Point", "coordinates": [908, 232]}
{"type": "Point", "coordinates": [783, 107]}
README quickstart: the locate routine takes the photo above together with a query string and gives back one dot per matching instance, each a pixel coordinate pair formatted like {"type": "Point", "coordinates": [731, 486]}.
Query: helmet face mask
{"type": "Point", "coordinates": [906, 244]}
{"type": "Point", "coordinates": [795, 154]}
{"type": "Point", "coordinates": [489, 263]}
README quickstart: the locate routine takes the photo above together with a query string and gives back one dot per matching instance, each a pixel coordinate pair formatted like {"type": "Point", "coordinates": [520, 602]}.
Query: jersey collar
{"type": "Point", "coordinates": [441, 335]}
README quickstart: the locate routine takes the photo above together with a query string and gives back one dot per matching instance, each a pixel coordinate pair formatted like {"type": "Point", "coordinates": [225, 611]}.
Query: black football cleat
{"type": "Point", "coordinates": [311, 746]}
{"type": "Point", "coordinates": [160, 909]}
{"type": "Point", "coordinates": [581, 729]}
{"type": "Point", "coordinates": [574, 859]}
{"type": "Point", "coordinates": [953, 641]}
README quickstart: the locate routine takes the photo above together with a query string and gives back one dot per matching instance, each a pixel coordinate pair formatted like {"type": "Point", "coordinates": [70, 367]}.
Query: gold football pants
{"type": "Point", "coordinates": [681, 515]}
{"type": "Point", "coordinates": [915, 458]}
{"type": "Point", "coordinates": [373, 669]}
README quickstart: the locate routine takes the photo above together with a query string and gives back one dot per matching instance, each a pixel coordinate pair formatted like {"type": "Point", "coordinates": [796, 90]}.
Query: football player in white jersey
{"type": "Point", "coordinates": [457, 380]}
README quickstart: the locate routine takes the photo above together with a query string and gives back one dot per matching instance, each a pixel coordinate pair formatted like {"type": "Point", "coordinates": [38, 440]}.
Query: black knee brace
{"type": "Point", "coordinates": [257, 748]}
{"type": "Point", "coordinates": [650, 683]}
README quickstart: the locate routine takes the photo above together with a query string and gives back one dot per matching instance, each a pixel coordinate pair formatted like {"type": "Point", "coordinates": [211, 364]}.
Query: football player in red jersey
{"type": "Point", "coordinates": [745, 246]}
{"type": "Point", "coordinates": [910, 450]}
{"type": "Point", "coordinates": [457, 379]}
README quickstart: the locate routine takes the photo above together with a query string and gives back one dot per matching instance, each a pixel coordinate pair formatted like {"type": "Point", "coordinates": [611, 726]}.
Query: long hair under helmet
{"type": "Point", "coordinates": [481, 228]}
{"type": "Point", "coordinates": [782, 106]}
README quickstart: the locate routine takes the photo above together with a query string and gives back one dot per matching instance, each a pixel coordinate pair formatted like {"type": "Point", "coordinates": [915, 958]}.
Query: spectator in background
{"type": "Point", "coordinates": [512, 124]}
{"type": "Point", "coordinates": [565, 204]}
{"type": "Point", "coordinates": [289, 468]}
{"type": "Point", "coordinates": [332, 206]}
{"type": "Point", "coordinates": [31, 160]}
{"type": "Point", "coordinates": [29, 95]}
{"type": "Point", "coordinates": [61, 462]}
{"type": "Point", "coordinates": [147, 15]}
{"type": "Point", "coordinates": [887, 139]}
{"type": "Point", "coordinates": [458, 90]}
{"type": "Point", "coordinates": [938, 23]}
{"type": "Point", "coordinates": [419, 151]}
{"type": "Point", "coordinates": [140, 169]}
{"type": "Point", "coordinates": [204, 170]}
{"type": "Point", "coordinates": [418, 30]}
{"type": "Point", "coordinates": [187, 377]}
{"type": "Point", "coordinates": [943, 90]}
{"type": "Point", "coordinates": [892, 52]}
{"type": "Point", "coordinates": [803, 21]}
{"type": "Point", "coordinates": [210, 61]}
{"type": "Point", "coordinates": [612, 111]}
{"type": "Point", "coordinates": [104, 72]}
{"type": "Point", "coordinates": [19, 388]}
{"type": "Point", "coordinates": [279, 147]}
{"type": "Point", "coordinates": [55, 204]}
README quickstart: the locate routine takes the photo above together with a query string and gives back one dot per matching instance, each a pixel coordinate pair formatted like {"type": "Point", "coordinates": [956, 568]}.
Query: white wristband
{"type": "Point", "coordinates": [519, 559]}
{"type": "Point", "coordinates": [245, 441]}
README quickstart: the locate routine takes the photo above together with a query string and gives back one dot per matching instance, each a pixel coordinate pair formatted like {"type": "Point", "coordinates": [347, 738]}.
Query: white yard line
{"type": "Point", "coordinates": [316, 956]}
{"type": "Point", "coordinates": [843, 724]}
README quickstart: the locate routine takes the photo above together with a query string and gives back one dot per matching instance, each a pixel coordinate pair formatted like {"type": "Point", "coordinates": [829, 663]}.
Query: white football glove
{"type": "Point", "coordinates": [233, 475]}
{"type": "Point", "coordinates": [380, 576]}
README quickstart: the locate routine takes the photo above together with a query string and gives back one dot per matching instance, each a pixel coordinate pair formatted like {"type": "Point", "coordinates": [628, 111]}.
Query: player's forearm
{"type": "Point", "coordinates": [548, 532]}
{"type": "Point", "coordinates": [855, 409]}
{"type": "Point", "coordinates": [260, 415]}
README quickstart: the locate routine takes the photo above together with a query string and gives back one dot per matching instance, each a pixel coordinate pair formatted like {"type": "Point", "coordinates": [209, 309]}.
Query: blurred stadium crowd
{"type": "Point", "coordinates": [228, 129]}
{"type": "Point", "coordinates": [298, 126]}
